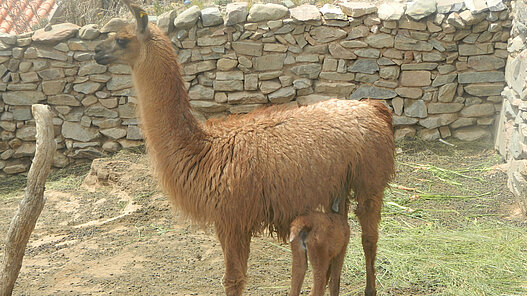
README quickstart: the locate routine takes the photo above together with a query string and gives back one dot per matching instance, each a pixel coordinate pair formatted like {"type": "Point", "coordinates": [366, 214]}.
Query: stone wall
{"type": "Point", "coordinates": [511, 136]}
{"type": "Point", "coordinates": [439, 66]}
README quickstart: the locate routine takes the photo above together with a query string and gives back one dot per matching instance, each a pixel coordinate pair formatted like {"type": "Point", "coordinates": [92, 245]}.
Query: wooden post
{"type": "Point", "coordinates": [31, 205]}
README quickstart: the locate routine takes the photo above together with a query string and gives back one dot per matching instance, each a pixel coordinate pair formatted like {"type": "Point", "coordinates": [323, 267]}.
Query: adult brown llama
{"type": "Point", "coordinates": [244, 174]}
{"type": "Point", "coordinates": [323, 237]}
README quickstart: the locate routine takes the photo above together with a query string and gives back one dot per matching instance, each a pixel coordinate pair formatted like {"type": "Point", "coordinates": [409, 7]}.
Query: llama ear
{"type": "Point", "coordinates": [141, 18]}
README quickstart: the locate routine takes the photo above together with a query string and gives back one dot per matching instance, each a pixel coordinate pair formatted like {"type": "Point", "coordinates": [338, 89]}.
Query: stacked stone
{"type": "Point", "coordinates": [94, 111]}
{"type": "Point", "coordinates": [511, 137]}
{"type": "Point", "coordinates": [438, 65]}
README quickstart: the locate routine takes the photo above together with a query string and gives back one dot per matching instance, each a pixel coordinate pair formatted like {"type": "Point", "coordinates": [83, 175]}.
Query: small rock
{"type": "Point", "coordinates": [89, 32]}
{"type": "Point", "coordinates": [419, 9]}
{"type": "Point", "coordinates": [187, 18]}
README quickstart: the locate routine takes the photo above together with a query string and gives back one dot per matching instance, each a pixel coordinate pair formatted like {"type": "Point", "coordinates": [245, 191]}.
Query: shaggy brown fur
{"type": "Point", "coordinates": [248, 173]}
{"type": "Point", "coordinates": [323, 238]}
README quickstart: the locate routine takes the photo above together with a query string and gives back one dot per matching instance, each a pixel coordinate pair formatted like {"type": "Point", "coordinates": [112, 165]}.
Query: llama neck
{"type": "Point", "coordinates": [168, 124]}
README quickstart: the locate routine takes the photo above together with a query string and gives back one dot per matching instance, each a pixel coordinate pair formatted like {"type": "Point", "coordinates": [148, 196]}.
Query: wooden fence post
{"type": "Point", "coordinates": [31, 205]}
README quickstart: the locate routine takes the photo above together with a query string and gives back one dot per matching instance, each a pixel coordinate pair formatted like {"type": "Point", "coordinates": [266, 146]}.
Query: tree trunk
{"type": "Point", "coordinates": [31, 205]}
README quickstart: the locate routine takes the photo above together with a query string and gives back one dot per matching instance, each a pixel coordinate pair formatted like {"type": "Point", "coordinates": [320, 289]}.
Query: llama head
{"type": "Point", "coordinates": [129, 42]}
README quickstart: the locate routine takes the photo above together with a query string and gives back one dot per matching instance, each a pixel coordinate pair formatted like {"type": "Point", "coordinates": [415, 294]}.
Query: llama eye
{"type": "Point", "coordinates": [121, 42]}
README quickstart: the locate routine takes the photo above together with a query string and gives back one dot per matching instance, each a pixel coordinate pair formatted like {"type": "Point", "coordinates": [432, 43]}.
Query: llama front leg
{"type": "Point", "coordinates": [369, 214]}
{"type": "Point", "coordinates": [235, 245]}
{"type": "Point", "coordinates": [299, 266]}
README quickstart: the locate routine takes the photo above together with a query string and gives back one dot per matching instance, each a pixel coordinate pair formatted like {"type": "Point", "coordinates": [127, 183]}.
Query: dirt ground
{"type": "Point", "coordinates": [115, 235]}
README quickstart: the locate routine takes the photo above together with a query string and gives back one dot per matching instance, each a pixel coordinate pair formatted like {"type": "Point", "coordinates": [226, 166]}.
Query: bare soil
{"type": "Point", "coordinates": [113, 232]}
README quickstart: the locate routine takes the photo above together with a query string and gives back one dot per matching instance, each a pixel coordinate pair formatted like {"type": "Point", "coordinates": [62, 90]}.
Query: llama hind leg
{"type": "Point", "coordinates": [235, 246]}
{"type": "Point", "coordinates": [299, 266]}
{"type": "Point", "coordinates": [369, 214]}
{"type": "Point", "coordinates": [335, 271]}
{"type": "Point", "coordinates": [320, 262]}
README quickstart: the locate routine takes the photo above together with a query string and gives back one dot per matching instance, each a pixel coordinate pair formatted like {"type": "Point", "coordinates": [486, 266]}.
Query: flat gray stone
{"type": "Point", "coordinates": [248, 48]}
{"type": "Point", "coordinates": [100, 111]}
{"type": "Point", "coordinates": [415, 78]}
{"type": "Point", "coordinates": [471, 134]}
{"type": "Point", "coordinates": [266, 12]}
{"type": "Point", "coordinates": [333, 12]}
{"type": "Point", "coordinates": [485, 62]}
{"type": "Point", "coordinates": [75, 131]}
{"type": "Point", "coordinates": [19, 98]}
{"type": "Point", "coordinates": [404, 120]}
{"type": "Point", "coordinates": [479, 110]}
{"type": "Point", "coordinates": [119, 82]}
{"type": "Point", "coordinates": [480, 77]}
{"type": "Point", "coordinates": [236, 13]}
{"type": "Point", "coordinates": [310, 71]}
{"type": "Point", "coordinates": [195, 68]}
{"type": "Point", "coordinates": [63, 99]}
{"type": "Point", "coordinates": [419, 9]}
{"type": "Point", "coordinates": [89, 32]}
{"type": "Point", "coordinates": [305, 13]}
{"type": "Point", "coordinates": [443, 79]}
{"type": "Point", "coordinates": [211, 16]}
{"type": "Point", "coordinates": [339, 52]}
{"type": "Point", "coordinates": [91, 68]}
{"type": "Point", "coordinates": [114, 25]}
{"type": "Point", "coordinates": [339, 89]}
{"type": "Point", "coordinates": [496, 5]}
{"type": "Point", "coordinates": [282, 95]}
{"type": "Point", "coordinates": [439, 108]}
{"type": "Point", "coordinates": [200, 92]}
{"type": "Point", "coordinates": [435, 121]}
{"type": "Point", "coordinates": [269, 62]}
{"type": "Point", "coordinates": [327, 34]}
{"type": "Point", "coordinates": [415, 108]}
{"type": "Point", "coordinates": [58, 33]}
{"type": "Point", "coordinates": [367, 66]}
{"type": "Point", "coordinates": [246, 97]}
{"type": "Point", "coordinates": [380, 40]}
{"type": "Point", "coordinates": [447, 92]}
{"type": "Point", "coordinates": [475, 49]}
{"type": "Point", "coordinates": [187, 18]}
{"type": "Point", "coordinates": [405, 43]}
{"type": "Point", "coordinates": [476, 6]}
{"type": "Point", "coordinates": [357, 9]}
{"type": "Point", "coordinates": [391, 11]}
{"type": "Point", "coordinates": [484, 89]}
{"type": "Point", "coordinates": [114, 133]}
{"type": "Point", "coordinates": [368, 91]}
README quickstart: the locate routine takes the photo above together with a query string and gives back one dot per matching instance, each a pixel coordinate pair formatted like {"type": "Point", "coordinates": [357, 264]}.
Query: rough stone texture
{"type": "Point", "coordinates": [187, 18]}
{"type": "Point", "coordinates": [419, 9]}
{"type": "Point", "coordinates": [357, 9]}
{"type": "Point", "coordinates": [74, 131]}
{"type": "Point", "coordinates": [440, 74]}
{"type": "Point", "coordinates": [236, 13]}
{"type": "Point", "coordinates": [471, 134]}
{"type": "Point", "coordinates": [57, 33]}
{"type": "Point", "coordinates": [266, 12]}
{"type": "Point", "coordinates": [415, 78]}
{"type": "Point", "coordinates": [390, 11]}
{"type": "Point", "coordinates": [367, 91]}
{"type": "Point", "coordinates": [305, 13]}
{"type": "Point", "coordinates": [114, 25]}
{"type": "Point", "coordinates": [211, 16]}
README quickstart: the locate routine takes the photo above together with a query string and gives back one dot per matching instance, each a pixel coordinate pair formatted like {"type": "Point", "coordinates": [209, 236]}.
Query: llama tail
{"type": "Point", "coordinates": [300, 228]}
